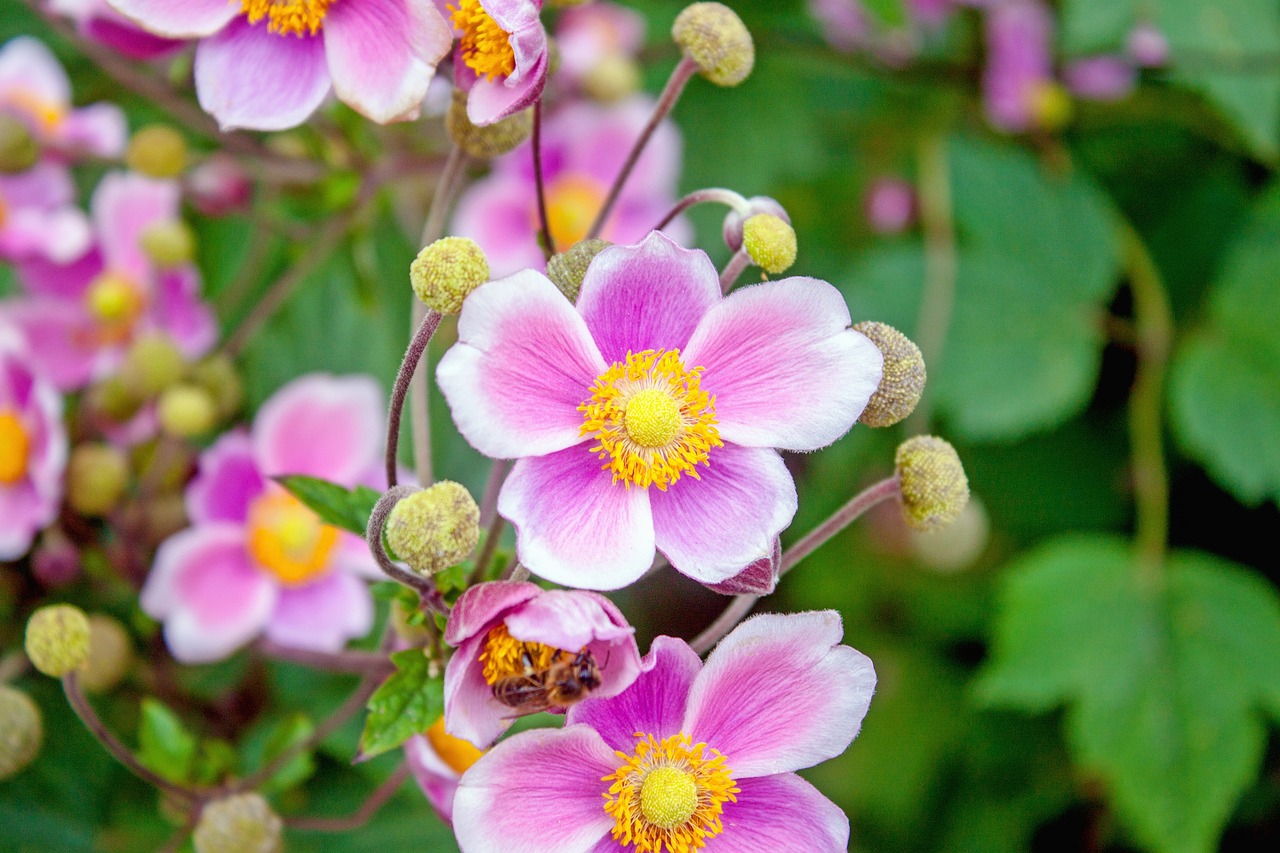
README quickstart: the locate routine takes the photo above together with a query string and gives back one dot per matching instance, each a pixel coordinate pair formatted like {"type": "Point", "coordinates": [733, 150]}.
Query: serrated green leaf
{"type": "Point", "coordinates": [164, 744]}
{"type": "Point", "coordinates": [336, 505]}
{"type": "Point", "coordinates": [406, 704]}
{"type": "Point", "coordinates": [1163, 680]}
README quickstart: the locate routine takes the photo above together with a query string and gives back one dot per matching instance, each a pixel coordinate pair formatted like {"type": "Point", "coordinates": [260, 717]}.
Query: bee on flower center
{"type": "Point", "coordinates": [566, 680]}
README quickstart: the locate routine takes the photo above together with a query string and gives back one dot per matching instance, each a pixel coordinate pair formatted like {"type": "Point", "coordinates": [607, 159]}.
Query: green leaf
{"type": "Point", "coordinates": [336, 505]}
{"type": "Point", "coordinates": [1163, 680]}
{"type": "Point", "coordinates": [406, 704]}
{"type": "Point", "coordinates": [164, 743]}
{"type": "Point", "coordinates": [282, 736]}
{"type": "Point", "coordinates": [1225, 385]}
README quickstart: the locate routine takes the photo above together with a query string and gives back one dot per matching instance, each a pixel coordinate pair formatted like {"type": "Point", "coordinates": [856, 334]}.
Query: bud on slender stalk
{"type": "Point", "coordinates": [110, 654]}
{"type": "Point", "coordinates": [21, 731]}
{"type": "Point", "coordinates": [435, 528]}
{"type": "Point", "coordinates": [57, 639]}
{"type": "Point", "coordinates": [18, 148]}
{"type": "Point", "coordinates": [242, 823]}
{"type": "Point", "coordinates": [714, 37]}
{"type": "Point", "coordinates": [445, 273]}
{"type": "Point", "coordinates": [97, 475]}
{"type": "Point", "coordinates": [157, 151]}
{"type": "Point", "coordinates": [491, 140]}
{"type": "Point", "coordinates": [934, 487]}
{"type": "Point", "coordinates": [151, 365]}
{"type": "Point", "coordinates": [567, 269]}
{"type": "Point", "coordinates": [903, 380]}
{"type": "Point", "coordinates": [770, 242]}
{"type": "Point", "coordinates": [187, 411]}
{"type": "Point", "coordinates": [169, 243]}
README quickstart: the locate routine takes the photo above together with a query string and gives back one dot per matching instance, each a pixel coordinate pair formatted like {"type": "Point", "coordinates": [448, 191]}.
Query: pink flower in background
{"type": "Point", "coordinates": [493, 625]}
{"type": "Point", "coordinates": [691, 754]}
{"type": "Point", "coordinates": [1148, 46]}
{"type": "Point", "coordinates": [33, 448]}
{"type": "Point", "coordinates": [646, 416]}
{"type": "Point", "coordinates": [35, 89]}
{"type": "Point", "coordinates": [79, 318]}
{"type": "Point", "coordinates": [890, 205]}
{"type": "Point", "coordinates": [583, 147]}
{"type": "Point", "coordinates": [98, 21]}
{"type": "Point", "coordinates": [844, 23]}
{"type": "Point", "coordinates": [438, 760]}
{"type": "Point", "coordinates": [38, 216]}
{"type": "Point", "coordinates": [256, 560]}
{"type": "Point", "coordinates": [502, 57]}
{"type": "Point", "coordinates": [588, 34]}
{"type": "Point", "coordinates": [1019, 62]}
{"type": "Point", "coordinates": [1101, 78]}
{"type": "Point", "coordinates": [267, 65]}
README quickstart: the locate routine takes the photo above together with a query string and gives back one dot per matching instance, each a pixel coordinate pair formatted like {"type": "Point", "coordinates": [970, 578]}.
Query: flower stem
{"type": "Point", "coordinates": [404, 378]}
{"type": "Point", "coordinates": [425, 588]}
{"type": "Point", "coordinates": [491, 539]}
{"type": "Point", "coordinates": [535, 142]}
{"type": "Point", "coordinates": [739, 262]}
{"type": "Point", "coordinates": [728, 198]}
{"type": "Point", "coordinates": [498, 472]}
{"type": "Point", "coordinates": [684, 69]}
{"type": "Point", "coordinates": [362, 815]}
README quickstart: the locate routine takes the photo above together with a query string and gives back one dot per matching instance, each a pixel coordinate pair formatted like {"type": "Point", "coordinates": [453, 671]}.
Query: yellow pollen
{"type": "Point", "coordinates": [485, 46]}
{"type": "Point", "coordinates": [572, 204]}
{"type": "Point", "coordinates": [457, 753]}
{"type": "Point", "coordinates": [288, 539]}
{"type": "Point", "coordinates": [47, 114]}
{"type": "Point", "coordinates": [651, 419]}
{"type": "Point", "coordinates": [15, 447]}
{"type": "Point", "coordinates": [288, 17]}
{"type": "Point", "coordinates": [503, 655]}
{"type": "Point", "coordinates": [113, 299]}
{"type": "Point", "coordinates": [668, 795]}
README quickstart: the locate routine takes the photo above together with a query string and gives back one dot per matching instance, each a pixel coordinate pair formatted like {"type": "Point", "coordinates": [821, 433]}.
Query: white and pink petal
{"type": "Point", "coordinates": [320, 425]}
{"type": "Point", "coordinates": [781, 814]}
{"type": "Point", "coordinates": [322, 615]}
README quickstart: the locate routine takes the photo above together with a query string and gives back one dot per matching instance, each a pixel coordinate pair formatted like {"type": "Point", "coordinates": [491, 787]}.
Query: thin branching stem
{"type": "Point", "coordinates": [535, 142]}
{"type": "Point", "coordinates": [362, 815]}
{"type": "Point", "coordinates": [404, 378]}
{"type": "Point", "coordinates": [728, 198]}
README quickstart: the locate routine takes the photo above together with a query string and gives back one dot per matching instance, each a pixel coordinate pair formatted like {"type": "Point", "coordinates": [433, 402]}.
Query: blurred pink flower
{"type": "Point", "coordinates": [98, 21]}
{"type": "Point", "coordinates": [80, 317]}
{"type": "Point", "coordinates": [646, 416]}
{"type": "Point", "coordinates": [593, 32]}
{"type": "Point", "coordinates": [583, 148]}
{"type": "Point", "coordinates": [493, 623]}
{"type": "Point", "coordinates": [1148, 46]}
{"type": "Point", "coordinates": [219, 186]}
{"type": "Point", "coordinates": [890, 205]}
{"type": "Point", "coordinates": [267, 65]}
{"type": "Point", "coordinates": [438, 760]}
{"type": "Point", "coordinates": [256, 560]}
{"type": "Point", "coordinates": [845, 25]}
{"type": "Point", "coordinates": [502, 57]}
{"type": "Point", "coordinates": [38, 216]}
{"type": "Point", "coordinates": [33, 448]}
{"type": "Point", "coordinates": [1019, 61]}
{"type": "Point", "coordinates": [690, 754]}
{"type": "Point", "coordinates": [1100, 78]}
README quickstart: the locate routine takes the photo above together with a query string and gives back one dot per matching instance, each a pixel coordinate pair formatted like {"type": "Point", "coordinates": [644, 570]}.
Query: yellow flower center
{"type": "Point", "coordinates": [15, 446]}
{"type": "Point", "coordinates": [288, 539]}
{"type": "Point", "coordinates": [504, 656]}
{"type": "Point", "coordinates": [572, 204]}
{"type": "Point", "coordinates": [457, 753]}
{"type": "Point", "coordinates": [115, 302]}
{"type": "Point", "coordinates": [288, 17]}
{"type": "Point", "coordinates": [485, 46]}
{"type": "Point", "coordinates": [47, 114]}
{"type": "Point", "coordinates": [651, 419]}
{"type": "Point", "coordinates": [668, 795]}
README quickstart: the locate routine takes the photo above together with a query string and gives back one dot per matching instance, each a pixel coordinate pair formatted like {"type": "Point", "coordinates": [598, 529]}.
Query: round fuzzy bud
{"type": "Point", "coordinates": [770, 241]}
{"type": "Point", "coordinates": [737, 217]}
{"type": "Point", "coordinates": [1050, 105]}
{"type": "Point", "coordinates": [567, 269]}
{"type": "Point", "coordinates": [218, 186]}
{"type": "Point", "coordinates": [110, 654]}
{"type": "Point", "coordinates": [97, 475]}
{"type": "Point", "coordinates": [169, 243]}
{"type": "Point", "coordinates": [56, 560]}
{"type": "Point", "coordinates": [157, 151]}
{"type": "Point", "coordinates": [18, 148]}
{"type": "Point", "coordinates": [57, 639]}
{"type": "Point", "coordinates": [243, 823]}
{"type": "Point", "coordinates": [488, 141]}
{"type": "Point", "coordinates": [714, 37]}
{"type": "Point", "coordinates": [21, 731]}
{"type": "Point", "coordinates": [903, 380]}
{"type": "Point", "coordinates": [435, 528]}
{"type": "Point", "coordinates": [445, 273]}
{"type": "Point", "coordinates": [187, 410]}
{"type": "Point", "coordinates": [612, 78]}
{"type": "Point", "coordinates": [217, 375]}
{"type": "Point", "coordinates": [151, 365]}
{"type": "Point", "coordinates": [934, 486]}
{"type": "Point", "coordinates": [114, 399]}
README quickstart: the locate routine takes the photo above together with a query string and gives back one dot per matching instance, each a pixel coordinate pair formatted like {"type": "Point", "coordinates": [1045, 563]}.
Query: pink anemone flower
{"type": "Point", "coordinates": [268, 64]}
{"type": "Point", "coordinates": [35, 89]}
{"type": "Point", "coordinates": [256, 560]}
{"type": "Point", "coordinates": [583, 148]}
{"type": "Point", "coordinates": [1019, 35]}
{"type": "Point", "coordinates": [494, 626]}
{"type": "Point", "coordinates": [80, 318]}
{"type": "Point", "coordinates": [38, 216]}
{"type": "Point", "coordinates": [647, 415]}
{"type": "Point", "coordinates": [96, 20]}
{"type": "Point", "coordinates": [502, 57]}
{"type": "Point", "coordinates": [437, 760]}
{"type": "Point", "coordinates": [692, 755]}
{"type": "Point", "coordinates": [33, 448]}
{"type": "Point", "coordinates": [592, 33]}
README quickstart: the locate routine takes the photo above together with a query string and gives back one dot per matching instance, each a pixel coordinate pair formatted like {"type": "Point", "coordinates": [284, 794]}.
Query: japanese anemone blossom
{"type": "Point", "coordinates": [691, 756]}
{"type": "Point", "coordinates": [268, 64]}
{"type": "Point", "coordinates": [593, 33]}
{"type": "Point", "coordinates": [502, 57]}
{"type": "Point", "coordinates": [493, 625]}
{"type": "Point", "coordinates": [646, 416]}
{"type": "Point", "coordinates": [256, 560]}
{"type": "Point", "coordinates": [38, 216]}
{"type": "Point", "coordinates": [33, 448]}
{"type": "Point", "coordinates": [1019, 36]}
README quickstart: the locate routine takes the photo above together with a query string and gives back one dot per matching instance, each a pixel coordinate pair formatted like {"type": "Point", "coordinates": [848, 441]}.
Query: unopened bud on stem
{"type": "Point", "coordinates": [934, 486]}
{"type": "Point", "coordinates": [157, 151]}
{"type": "Point", "coordinates": [485, 142]}
{"type": "Point", "coordinates": [445, 273]}
{"type": "Point", "coordinates": [21, 731]}
{"type": "Point", "coordinates": [57, 639]}
{"type": "Point", "coordinates": [435, 528]}
{"type": "Point", "coordinates": [714, 37]}
{"type": "Point", "coordinates": [567, 269]}
{"type": "Point", "coordinates": [903, 380]}
{"type": "Point", "coordinates": [97, 475]}
{"type": "Point", "coordinates": [242, 823]}
{"type": "Point", "coordinates": [770, 241]}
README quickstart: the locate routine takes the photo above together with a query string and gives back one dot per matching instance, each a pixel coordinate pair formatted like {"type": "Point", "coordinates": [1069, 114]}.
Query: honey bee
{"type": "Point", "coordinates": [565, 681]}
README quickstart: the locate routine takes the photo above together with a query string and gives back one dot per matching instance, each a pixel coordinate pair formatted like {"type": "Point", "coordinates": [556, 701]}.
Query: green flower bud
{"type": "Point", "coordinates": [903, 380]}
{"type": "Point", "coordinates": [958, 546]}
{"type": "Point", "coordinates": [435, 528]}
{"type": "Point", "coordinates": [110, 654]}
{"type": "Point", "coordinates": [57, 640]}
{"type": "Point", "coordinates": [1051, 106]}
{"type": "Point", "coordinates": [770, 242]}
{"type": "Point", "coordinates": [488, 141]}
{"type": "Point", "coordinates": [217, 375]}
{"type": "Point", "coordinates": [613, 78]}
{"type": "Point", "coordinates": [446, 272]}
{"type": "Point", "coordinates": [151, 365]}
{"type": "Point", "coordinates": [21, 731]}
{"type": "Point", "coordinates": [714, 37]}
{"type": "Point", "coordinates": [97, 475]}
{"type": "Point", "coordinates": [18, 148]}
{"type": "Point", "coordinates": [187, 410]}
{"type": "Point", "coordinates": [169, 243]}
{"type": "Point", "coordinates": [567, 269]}
{"type": "Point", "coordinates": [242, 823]}
{"type": "Point", "coordinates": [934, 486]}
{"type": "Point", "coordinates": [113, 398]}
{"type": "Point", "coordinates": [157, 151]}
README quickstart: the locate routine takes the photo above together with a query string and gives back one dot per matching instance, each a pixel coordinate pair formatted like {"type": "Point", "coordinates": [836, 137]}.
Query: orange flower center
{"type": "Point", "coordinates": [457, 753]}
{"type": "Point", "coordinates": [572, 204]}
{"type": "Point", "coordinates": [15, 447]}
{"type": "Point", "coordinates": [288, 539]}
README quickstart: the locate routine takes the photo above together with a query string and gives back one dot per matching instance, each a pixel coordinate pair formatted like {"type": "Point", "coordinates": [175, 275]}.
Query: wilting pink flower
{"type": "Point", "coordinates": [38, 217]}
{"type": "Point", "coordinates": [591, 33]}
{"type": "Point", "coordinates": [1148, 46]}
{"type": "Point", "coordinates": [890, 205]}
{"type": "Point", "coordinates": [691, 755]}
{"type": "Point", "coordinates": [1100, 78]}
{"type": "Point", "coordinates": [502, 57]}
{"type": "Point", "coordinates": [267, 64]}
{"type": "Point", "coordinates": [80, 317]}
{"type": "Point", "coordinates": [98, 21]}
{"type": "Point", "coordinates": [647, 415]}
{"type": "Point", "coordinates": [583, 147]}
{"type": "Point", "coordinates": [494, 625]}
{"type": "Point", "coordinates": [1019, 61]}
{"type": "Point", "coordinates": [33, 448]}
{"type": "Point", "coordinates": [258, 561]}
{"type": "Point", "coordinates": [438, 760]}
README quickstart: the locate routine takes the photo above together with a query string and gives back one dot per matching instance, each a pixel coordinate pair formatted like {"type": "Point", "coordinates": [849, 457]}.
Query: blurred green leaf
{"type": "Point", "coordinates": [1163, 679]}
{"type": "Point", "coordinates": [164, 744]}
{"type": "Point", "coordinates": [280, 737]}
{"type": "Point", "coordinates": [346, 508]}
{"type": "Point", "coordinates": [406, 704]}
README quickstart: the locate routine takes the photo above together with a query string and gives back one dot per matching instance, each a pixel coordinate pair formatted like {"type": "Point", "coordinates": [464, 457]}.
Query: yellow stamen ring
{"type": "Point", "coordinates": [503, 655]}
{"type": "Point", "coordinates": [485, 47]}
{"type": "Point", "coordinates": [288, 17]}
